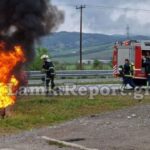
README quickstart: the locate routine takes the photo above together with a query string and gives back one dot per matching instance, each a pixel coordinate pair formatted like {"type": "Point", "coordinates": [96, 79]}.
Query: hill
{"type": "Point", "coordinates": [64, 46]}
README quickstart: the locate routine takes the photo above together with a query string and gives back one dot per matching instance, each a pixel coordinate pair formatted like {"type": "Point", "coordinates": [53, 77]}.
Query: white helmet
{"type": "Point", "coordinates": [44, 57]}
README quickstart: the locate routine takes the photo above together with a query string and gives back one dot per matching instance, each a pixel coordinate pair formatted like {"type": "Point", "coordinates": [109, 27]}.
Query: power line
{"type": "Point", "coordinates": [81, 20]}
{"type": "Point", "coordinates": [121, 8]}
{"type": "Point", "coordinates": [110, 7]}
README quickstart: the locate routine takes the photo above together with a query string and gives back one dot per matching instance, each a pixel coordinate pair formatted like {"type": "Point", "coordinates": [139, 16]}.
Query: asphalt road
{"type": "Point", "coordinates": [78, 81]}
{"type": "Point", "coordinates": [126, 129]}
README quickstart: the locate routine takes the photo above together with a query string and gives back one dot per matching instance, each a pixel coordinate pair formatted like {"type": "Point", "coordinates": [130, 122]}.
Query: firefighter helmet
{"type": "Point", "coordinates": [44, 57]}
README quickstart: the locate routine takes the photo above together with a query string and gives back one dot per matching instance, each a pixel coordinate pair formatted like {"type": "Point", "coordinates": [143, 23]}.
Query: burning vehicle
{"type": "Point", "coordinates": [22, 22]}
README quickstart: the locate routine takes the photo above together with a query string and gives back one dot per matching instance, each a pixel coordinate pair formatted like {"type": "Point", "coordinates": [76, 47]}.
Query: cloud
{"type": "Point", "coordinates": [106, 20]}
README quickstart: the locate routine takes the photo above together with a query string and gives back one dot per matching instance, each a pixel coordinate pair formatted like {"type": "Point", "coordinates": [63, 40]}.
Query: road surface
{"type": "Point", "coordinates": [126, 129]}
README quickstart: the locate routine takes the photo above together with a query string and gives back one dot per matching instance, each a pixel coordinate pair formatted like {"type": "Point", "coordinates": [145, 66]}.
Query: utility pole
{"type": "Point", "coordinates": [81, 20]}
{"type": "Point", "coordinates": [128, 32]}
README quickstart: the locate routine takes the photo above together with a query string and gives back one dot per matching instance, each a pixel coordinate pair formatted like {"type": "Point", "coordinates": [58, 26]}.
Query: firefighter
{"type": "Point", "coordinates": [49, 70]}
{"type": "Point", "coordinates": [146, 63]}
{"type": "Point", "coordinates": [128, 70]}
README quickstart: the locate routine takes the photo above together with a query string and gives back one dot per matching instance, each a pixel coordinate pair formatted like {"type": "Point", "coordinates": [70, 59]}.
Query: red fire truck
{"type": "Point", "coordinates": [135, 51]}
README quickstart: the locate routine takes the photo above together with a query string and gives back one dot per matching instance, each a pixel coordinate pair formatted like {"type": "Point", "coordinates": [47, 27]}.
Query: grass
{"type": "Point", "coordinates": [36, 112]}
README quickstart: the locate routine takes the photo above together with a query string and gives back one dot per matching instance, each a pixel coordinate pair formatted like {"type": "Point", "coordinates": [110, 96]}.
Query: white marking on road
{"type": "Point", "coordinates": [80, 147]}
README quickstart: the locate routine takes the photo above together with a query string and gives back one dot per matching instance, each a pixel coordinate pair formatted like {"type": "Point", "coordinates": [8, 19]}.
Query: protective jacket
{"type": "Point", "coordinates": [49, 69]}
{"type": "Point", "coordinates": [128, 70]}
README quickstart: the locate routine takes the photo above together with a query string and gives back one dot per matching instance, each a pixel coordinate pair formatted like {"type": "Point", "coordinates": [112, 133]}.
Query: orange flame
{"type": "Point", "coordinates": [8, 61]}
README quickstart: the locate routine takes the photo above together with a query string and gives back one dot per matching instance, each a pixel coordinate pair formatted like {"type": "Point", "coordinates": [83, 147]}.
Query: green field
{"type": "Point", "coordinates": [107, 54]}
{"type": "Point", "coordinates": [37, 112]}
{"type": "Point", "coordinates": [103, 51]}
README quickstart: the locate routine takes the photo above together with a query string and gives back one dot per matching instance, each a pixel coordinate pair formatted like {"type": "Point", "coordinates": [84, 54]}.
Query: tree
{"type": "Point", "coordinates": [97, 64]}
{"type": "Point", "coordinates": [37, 63]}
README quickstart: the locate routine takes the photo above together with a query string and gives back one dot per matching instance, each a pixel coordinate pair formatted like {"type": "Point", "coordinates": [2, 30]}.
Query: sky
{"type": "Point", "coordinates": [106, 20]}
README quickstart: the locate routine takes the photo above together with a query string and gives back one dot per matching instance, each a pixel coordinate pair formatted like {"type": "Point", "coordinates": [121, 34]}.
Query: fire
{"type": "Point", "coordinates": [9, 59]}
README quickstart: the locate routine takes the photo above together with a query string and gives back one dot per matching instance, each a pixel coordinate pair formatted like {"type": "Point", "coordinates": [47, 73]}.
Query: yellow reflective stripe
{"type": "Point", "coordinates": [128, 76]}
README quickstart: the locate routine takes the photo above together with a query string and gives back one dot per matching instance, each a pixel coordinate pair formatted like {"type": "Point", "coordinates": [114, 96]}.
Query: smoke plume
{"type": "Point", "coordinates": [24, 21]}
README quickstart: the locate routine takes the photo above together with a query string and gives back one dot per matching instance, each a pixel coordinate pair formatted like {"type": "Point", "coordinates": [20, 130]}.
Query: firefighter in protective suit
{"type": "Point", "coordinates": [49, 70]}
{"type": "Point", "coordinates": [146, 65]}
{"type": "Point", "coordinates": [128, 74]}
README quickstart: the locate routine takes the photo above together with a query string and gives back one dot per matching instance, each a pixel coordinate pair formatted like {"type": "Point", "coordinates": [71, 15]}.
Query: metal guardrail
{"type": "Point", "coordinates": [73, 73]}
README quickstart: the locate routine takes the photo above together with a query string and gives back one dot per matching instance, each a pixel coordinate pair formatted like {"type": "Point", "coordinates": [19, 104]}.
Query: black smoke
{"type": "Point", "coordinates": [25, 21]}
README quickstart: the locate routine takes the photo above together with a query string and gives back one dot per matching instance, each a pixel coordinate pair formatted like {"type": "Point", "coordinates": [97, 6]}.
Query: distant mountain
{"type": "Point", "coordinates": [64, 46]}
